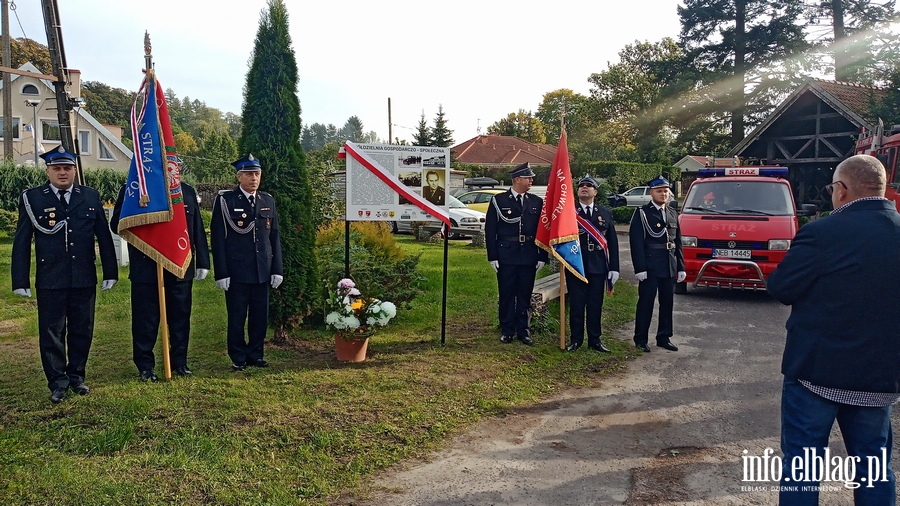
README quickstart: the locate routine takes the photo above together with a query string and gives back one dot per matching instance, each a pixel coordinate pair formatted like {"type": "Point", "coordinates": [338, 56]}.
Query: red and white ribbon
{"type": "Point", "coordinates": [391, 180]}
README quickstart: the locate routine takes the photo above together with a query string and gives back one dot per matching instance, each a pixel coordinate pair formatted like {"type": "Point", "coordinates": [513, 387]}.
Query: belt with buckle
{"type": "Point", "coordinates": [668, 246]}
{"type": "Point", "coordinates": [516, 238]}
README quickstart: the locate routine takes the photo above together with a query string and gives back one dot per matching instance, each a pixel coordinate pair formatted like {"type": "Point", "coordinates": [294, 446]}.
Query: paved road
{"type": "Point", "coordinates": [671, 430]}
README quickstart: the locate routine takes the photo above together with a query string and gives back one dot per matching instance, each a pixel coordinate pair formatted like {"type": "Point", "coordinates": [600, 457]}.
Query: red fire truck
{"type": "Point", "coordinates": [737, 224]}
{"type": "Point", "coordinates": [886, 148]}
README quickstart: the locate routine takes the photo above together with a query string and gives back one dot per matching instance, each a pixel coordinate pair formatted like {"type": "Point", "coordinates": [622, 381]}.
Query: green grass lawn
{"type": "Point", "coordinates": [303, 431]}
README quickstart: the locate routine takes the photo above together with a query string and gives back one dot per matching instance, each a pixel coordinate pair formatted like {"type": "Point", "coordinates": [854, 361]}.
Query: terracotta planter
{"type": "Point", "coordinates": [350, 350]}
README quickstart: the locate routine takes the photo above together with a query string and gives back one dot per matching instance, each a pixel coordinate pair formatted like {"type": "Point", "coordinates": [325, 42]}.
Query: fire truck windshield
{"type": "Point", "coordinates": [762, 197]}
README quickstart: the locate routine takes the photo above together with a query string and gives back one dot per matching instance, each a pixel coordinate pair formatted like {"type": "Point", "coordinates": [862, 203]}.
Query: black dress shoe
{"type": "Point", "coordinates": [149, 376]}
{"type": "Point", "coordinates": [526, 340]}
{"type": "Point", "coordinates": [573, 346]}
{"type": "Point", "coordinates": [643, 347]}
{"type": "Point", "coordinates": [183, 371]}
{"type": "Point", "coordinates": [237, 367]}
{"type": "Point", "coordinates": [80, 388]}
{"type": "Point", "coordinates": [58, 395]}
{"type": "Point", "coordinates": [257, 363]}
{"type": "Point", "coordinates": [599, 347]}
{"type": "Point", "coordinates": [506, 339]}
{"type": "Point", "coordinates": [668, 345]}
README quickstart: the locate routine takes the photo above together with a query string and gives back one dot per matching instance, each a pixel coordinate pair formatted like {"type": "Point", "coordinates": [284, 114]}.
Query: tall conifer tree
{"type": "Point", "coordinates": [271, 132]}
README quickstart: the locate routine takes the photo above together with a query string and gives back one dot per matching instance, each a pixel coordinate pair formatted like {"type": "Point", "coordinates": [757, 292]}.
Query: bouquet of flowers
{"type": "Point", "coordinates": [354, 316]}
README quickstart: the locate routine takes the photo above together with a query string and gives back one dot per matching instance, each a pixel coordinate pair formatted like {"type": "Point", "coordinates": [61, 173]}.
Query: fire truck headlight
{"type": "Point", "coordinates": [779, 244]}
{"type": "Point", "coordinates": [688, 241]}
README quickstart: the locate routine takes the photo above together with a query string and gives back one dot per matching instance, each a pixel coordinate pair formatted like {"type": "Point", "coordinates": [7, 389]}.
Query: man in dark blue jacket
{"type": "Point", "coordinates": [509, 230]}
{"type": "Point", "coordinates": [246, 249]}
{"type": "Point", "coordinates": [600, 255]}
{"type": "Point", "coordinates": [842, 356]}
{"type": "Point", "coordinates": [655, 239]}
{"type": "Point", "coordinates": [65, 220]}
{"type": "Point", "coordinates": [178, 291]}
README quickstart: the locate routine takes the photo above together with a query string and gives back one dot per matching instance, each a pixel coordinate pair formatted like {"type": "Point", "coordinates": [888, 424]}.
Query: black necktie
{"type": "Point", "coordinates": [62, 200]}
{"type": "Point", "coordinates": [519, 199]}
{"type": "Point", "coordinates": [587, 211]}
{"type": "Point", "coordinates": [252, 203]}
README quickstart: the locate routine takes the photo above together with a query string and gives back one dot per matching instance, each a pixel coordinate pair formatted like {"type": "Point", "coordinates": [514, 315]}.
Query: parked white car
{"type": "Point", "coordinates": [637, 196]}
{"type": "Point", "coordinates": [460, 217]}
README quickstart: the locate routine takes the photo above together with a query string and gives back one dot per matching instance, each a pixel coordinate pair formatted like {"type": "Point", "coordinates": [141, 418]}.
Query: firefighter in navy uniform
{"type": "Point", "coordinates": [601, 265]}
{"type": "Point", "coordinates": [658, 260]}
{"type": "Point", "coordinates": [246, 250]}
{"type": "Point", "coordinates": [509, 230]}
{"type": "Point", "coordinates": [64, 219]}
{"type": "Point", "coordinates": [178, 291]}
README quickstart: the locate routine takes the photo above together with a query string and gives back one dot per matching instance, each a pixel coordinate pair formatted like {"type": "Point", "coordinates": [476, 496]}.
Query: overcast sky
{"type": "Point", "coordinates": [479, 59]}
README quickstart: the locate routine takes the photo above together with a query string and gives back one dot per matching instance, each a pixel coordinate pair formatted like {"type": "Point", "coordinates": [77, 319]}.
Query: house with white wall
{"type": "Point", "coordinates": [35, 124]}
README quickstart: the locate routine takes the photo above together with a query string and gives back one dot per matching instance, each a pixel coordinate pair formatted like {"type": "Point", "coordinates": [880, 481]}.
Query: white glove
{"type": "Point", "coordinates": [539, 265]}
{"type": "Point", "coordinates": [613, 277]}
{"type": "Point", "coordinates": [641, 276]}
{"type": "Point", "coordinates": [24, 292]}
{"type": "Point", "coordinates": [495, 264]}
{"type": "Point", "coordinates": [200, 275]}
{"type": "Point", "coordinates": [223, 283]}
{"type": "Point", "coordinates": [276, 280]}
{"type": "Point", "coordinates": [681, 276]}
{"type": "Point", "coordinates": [108, 283]}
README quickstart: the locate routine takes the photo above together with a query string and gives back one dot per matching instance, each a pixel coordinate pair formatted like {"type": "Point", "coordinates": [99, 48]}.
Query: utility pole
{"type": "Point", "coordinates": [64, 105]}
{"type": "Point", "coordinates": [7, 85]}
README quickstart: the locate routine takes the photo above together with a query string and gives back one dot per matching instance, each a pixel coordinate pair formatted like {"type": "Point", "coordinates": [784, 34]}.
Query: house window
{"type": "Point", "coordinates": [84, 142]}
{"type": "Point", "coordinates": [15, 127]}
{"type": "Point", "coordinates": [50, 130]}
{"type": "Point", "coordinates": [30, 89]}
{"type": "Point", "coordinates": [104, 153]}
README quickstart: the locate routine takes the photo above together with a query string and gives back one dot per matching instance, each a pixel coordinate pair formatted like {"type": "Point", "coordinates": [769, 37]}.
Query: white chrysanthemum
{"type": "Point", "coordinates": [351, 322]}
{"type": "Point", "coordinates": [389, 308]}
{"type": "Point", "coordinates": [333, 318]}
{"type": "Point", "coordinates": [370, 321]}
{"type": "Point", "coordinates": [384, 320]}
{"type": "Point", "coordinates": [375, 307]}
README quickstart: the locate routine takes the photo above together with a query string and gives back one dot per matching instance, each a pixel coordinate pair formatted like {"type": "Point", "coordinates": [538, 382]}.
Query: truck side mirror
{"type": "Point", "coordinates": [807, 210]}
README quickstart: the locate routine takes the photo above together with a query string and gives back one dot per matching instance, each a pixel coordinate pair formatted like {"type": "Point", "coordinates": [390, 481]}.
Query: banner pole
{"type": "Point", "coordinates": [163, 323]}
{"type": "Point", "coordinates": [562, 307]}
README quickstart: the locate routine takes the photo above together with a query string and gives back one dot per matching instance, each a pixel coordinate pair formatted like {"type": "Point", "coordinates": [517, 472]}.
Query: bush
{"type": "Point", "coordinates": [8, 221]}
{"type": "Point", "coordinates": [14, 179]}
{"type": "Point", "coordinates": [377, 265]}
{"type": "Point", "coordinates": [623, 214]}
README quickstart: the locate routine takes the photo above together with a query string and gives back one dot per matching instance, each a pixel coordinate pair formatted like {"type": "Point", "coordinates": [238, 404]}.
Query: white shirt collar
{"type": "Point", "coordinates": [248, 195]}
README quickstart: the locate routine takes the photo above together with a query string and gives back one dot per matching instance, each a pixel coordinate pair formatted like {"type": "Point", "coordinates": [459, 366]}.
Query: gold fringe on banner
{"type": "Point", "coordinates": [143, 247]}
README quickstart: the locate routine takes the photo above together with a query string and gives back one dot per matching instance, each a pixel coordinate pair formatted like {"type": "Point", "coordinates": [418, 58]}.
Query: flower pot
{"type": "Point", "coordinates": [350, 350]}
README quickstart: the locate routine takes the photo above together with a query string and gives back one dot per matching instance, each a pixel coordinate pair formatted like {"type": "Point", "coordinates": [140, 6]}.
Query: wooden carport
{"type": "Point", "coordinates": [810, 132]}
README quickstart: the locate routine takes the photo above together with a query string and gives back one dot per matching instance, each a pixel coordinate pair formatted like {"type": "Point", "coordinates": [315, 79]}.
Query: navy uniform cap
{"type": "Point", "coordinates": [589, 180]}
{"type": "Point", "coordinates": [522, 170]}
{"type": "Point", "coordinates": [247, 164]}
{"type": "Point", "coordinates": [659, 182]}
{"type": "Point", "coordinates": [59, 157]}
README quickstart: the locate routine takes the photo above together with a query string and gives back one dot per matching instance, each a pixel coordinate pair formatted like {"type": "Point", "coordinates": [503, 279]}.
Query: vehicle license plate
{"type": "Point", "coordinates": [732, 253]}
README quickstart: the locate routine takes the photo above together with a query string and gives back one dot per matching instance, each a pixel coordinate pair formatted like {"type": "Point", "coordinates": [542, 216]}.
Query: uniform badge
{"type": "Point", "coordinates": [658, 225]}
{"type": "Point", "coordinates": [52, 222]}
{"type": "Point", "coordinates": [268, 223]}
{"type": "Point", "coordinates": [53, 215]}
{"type": "Point", "coordinates": [240, 223]}
{"type": "Point", "coordinates": [50, 209]}
{"type": "Point", "coordinates": [509, 211]}
{"type": "Point", "coordinates": [238, 210]}
{"type": "Point", "coordinates": [243, 215]}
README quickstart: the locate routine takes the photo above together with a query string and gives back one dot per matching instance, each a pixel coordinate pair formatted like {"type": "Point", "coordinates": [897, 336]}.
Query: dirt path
{"type": "Point", "coordinates": [670, 430]}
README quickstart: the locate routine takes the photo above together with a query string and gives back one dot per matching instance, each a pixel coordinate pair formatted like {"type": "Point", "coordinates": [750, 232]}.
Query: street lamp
{"type": "Point", "coordinates": [34, 103]}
